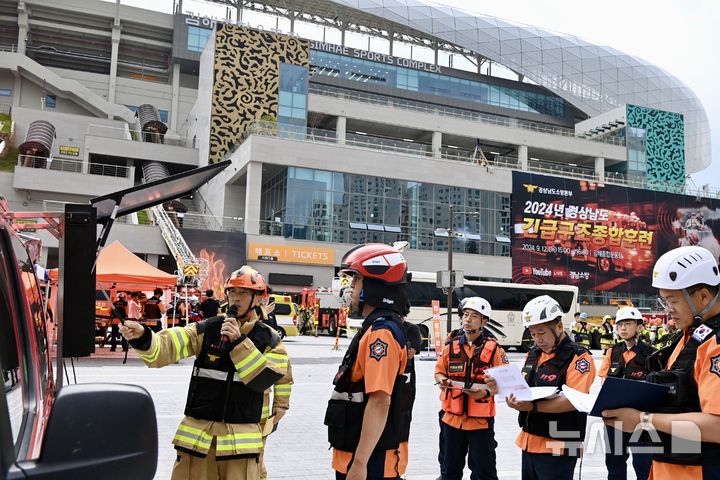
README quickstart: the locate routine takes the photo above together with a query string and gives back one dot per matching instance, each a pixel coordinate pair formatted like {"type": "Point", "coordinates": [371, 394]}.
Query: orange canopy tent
{"type": "Point", "coordinates": [119, 268]}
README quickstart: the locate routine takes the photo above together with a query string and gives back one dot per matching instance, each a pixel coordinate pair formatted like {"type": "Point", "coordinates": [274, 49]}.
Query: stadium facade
{"type": "Point", "coordinates": [331, 145]}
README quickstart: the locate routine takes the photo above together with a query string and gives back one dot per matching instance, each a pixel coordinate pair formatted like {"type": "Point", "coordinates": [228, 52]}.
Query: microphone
{"type": "Point", "coordinates": [224, 339]}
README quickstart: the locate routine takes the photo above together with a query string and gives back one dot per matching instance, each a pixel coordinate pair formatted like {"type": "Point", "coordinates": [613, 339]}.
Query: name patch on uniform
{"type": "Point", "coordinates": [378, 349]}
{"type": "Point", "coordinates": [582, 365]}
{"type": "Point", "coordinates": [715, 365]}
{"type": "Point", "coordinates": [701, 333]}
{"type": "Point", "coordinates": [455, 367]}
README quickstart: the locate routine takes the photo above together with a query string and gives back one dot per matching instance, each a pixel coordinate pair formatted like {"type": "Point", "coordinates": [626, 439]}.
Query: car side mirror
{"type": "Point", "coordinates": [79, 444]}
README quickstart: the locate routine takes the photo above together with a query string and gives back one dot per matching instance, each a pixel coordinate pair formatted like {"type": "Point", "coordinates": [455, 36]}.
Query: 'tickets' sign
{"type": "Point", "coordinates": [291, 254]}
{"type": "Point", "coordinates": [601, 237]}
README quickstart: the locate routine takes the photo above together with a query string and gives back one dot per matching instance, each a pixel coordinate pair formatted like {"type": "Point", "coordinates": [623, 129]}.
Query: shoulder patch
{"type": "Point", "coordinates": [582, 365]}
{"type": "Point", "coordinates": [378, 349]}
{"type": "Point", "coordinates": [701, 333]}
{"type": "Point", "coordinates": [715, 365]}
{"type": "Point", "coordinates": [504, 358]}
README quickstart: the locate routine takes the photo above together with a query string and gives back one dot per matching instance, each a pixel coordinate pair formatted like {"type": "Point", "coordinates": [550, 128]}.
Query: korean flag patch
{"type": "Point", "coordinates": [378, 349]}
{"type": "Point", "coordinates": [701, 333]}
{"type": "Point", "coordinates": [582, 365]}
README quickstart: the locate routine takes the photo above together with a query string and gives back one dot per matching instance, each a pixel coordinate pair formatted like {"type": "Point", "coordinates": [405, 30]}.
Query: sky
{"type": "Point", "coordinates": [680, 36]}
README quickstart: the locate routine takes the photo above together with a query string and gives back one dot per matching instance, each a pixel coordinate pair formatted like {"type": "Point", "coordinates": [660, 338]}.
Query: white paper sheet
{"type": "Point", "coordinates": [583, 402]}
{"type": "Point", "coordinates": [539, 393]}
{"type": "Point", "coordinates": [510, 381]}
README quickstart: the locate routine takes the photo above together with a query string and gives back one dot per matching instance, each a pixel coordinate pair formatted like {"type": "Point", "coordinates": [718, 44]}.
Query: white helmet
{"type": "Point", "coordinates": [684, 267]}
{"type": "Point", "coordinates": [541, 309]}
{"type": "Point", "coordinates": [478, 304]}
{"type": "Point", "coordinates": [628, 313]}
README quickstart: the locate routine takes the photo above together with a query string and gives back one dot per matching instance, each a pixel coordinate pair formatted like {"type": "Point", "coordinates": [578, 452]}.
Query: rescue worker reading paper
{"type": "Point", "coordinates": [237, 359]}
{"type": "Point", "coordinates": [552, 430]}
{"type": "Point", "coordinates": [368, 415]}
{"type": "Point", "coordinates": [467, 402]}
{"type": "Point", "coordinates": [688, 422]}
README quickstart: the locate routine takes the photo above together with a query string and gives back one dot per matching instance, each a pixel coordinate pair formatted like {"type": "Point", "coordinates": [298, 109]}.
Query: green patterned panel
{"type": "Point", "coordinates": [665, 140]}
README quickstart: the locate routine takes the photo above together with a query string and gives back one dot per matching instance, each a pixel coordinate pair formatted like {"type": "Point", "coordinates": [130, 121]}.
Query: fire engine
{"type": "Point", "coordinates": [326, 308]}
{"type": "Point", "coordinates": [50, 430]}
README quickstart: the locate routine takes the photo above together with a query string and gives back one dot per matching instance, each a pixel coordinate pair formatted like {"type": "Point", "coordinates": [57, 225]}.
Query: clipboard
{"type": "Point", "coordinates": [618, 393]}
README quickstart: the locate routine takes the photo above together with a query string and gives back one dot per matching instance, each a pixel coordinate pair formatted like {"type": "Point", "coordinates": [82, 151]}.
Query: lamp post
{"type": "Point", "coordinates": [450, 268]}
{"type": "Point", "coordinates": [451, 234]}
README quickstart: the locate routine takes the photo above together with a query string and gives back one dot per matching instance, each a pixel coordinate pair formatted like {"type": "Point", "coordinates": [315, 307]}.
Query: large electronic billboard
{"type": "Point", "coordinates": [602, 237]}
{"type": "Point", "coordinates": [224, 251]}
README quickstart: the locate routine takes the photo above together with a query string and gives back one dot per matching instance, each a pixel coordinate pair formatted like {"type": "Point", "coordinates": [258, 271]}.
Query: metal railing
{"type": "Point", "coordinates": [199, 221]}
{"type": "Point", "coordinates": [416, 106]}
{"type": "Point", "coordinates": [314, 135]}
{"type": "Point", "coordinates": [204, 209]}
{"type": "Point", "coordinates": [120, 133]}
{"type": "Point", "coordinates": [73, 166]}
{"type": "Point", "coordinates": [324, 230]}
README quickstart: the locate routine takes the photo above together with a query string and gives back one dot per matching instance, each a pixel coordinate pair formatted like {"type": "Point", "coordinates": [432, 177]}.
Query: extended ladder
{"type": "Point", "coordinates": [192, 271]}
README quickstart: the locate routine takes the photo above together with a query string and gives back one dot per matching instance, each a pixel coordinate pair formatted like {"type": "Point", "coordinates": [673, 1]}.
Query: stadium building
{"type": "Point", "coordinates": [346, 121]}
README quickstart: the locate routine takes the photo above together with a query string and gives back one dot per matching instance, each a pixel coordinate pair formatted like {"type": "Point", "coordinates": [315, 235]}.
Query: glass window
{"type": "Point", "coordinates": [299, 100]}
{"type": "Point", "coordinates": [5, 92]}
{"type": "Point", "coordinates": [293, 95]}
{"type": "Point", "coordinates": [286, 98]}
{"type": "Point", "coordinates": [50, 101]}
{"type": "Point", "coordinates": [366, 71]}
{"type": "Point", "coordinates": [333, 206]}
{"type": "Point", "coordinates": [197, 38]}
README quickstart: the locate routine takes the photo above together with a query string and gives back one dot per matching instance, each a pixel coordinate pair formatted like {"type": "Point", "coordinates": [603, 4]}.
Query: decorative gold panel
{"type": "Point", "coordinates": [247, 81]}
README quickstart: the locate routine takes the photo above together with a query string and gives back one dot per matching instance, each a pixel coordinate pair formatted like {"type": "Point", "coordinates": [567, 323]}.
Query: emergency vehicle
{"type": "Point", "coordinates": [286, 315]}
{"type": "Point", "coordinates": [40, 435]}
{"type": "Point", "coordinates": [50, 430]}
{"type": "Point", "coordinates": [326, 306]}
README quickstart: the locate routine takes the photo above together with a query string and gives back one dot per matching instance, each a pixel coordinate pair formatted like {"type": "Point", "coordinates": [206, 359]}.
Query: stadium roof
{"type": "Point", "coordinates": [593, 78]}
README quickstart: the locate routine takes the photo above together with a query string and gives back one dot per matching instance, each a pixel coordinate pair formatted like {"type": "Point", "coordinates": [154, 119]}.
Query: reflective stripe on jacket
{"type": "Point", "coordinates": [252, 367]}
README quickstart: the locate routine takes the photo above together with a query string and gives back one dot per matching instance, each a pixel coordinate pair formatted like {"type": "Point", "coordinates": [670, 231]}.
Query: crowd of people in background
{"type": "Point", "coordinates": [653, 331]}
{"type": "Point", "coordinates": [184, 307]}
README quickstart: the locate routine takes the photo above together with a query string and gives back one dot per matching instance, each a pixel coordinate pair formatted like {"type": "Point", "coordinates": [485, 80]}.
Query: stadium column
{"type": "Point", "coordinates": [22, 33]}
{"type": "Point", "coordinates": [523, 157]}
{"type": "Point", "coordinates": [113, 63]}
{"type": "Point", "coordinates": [175, 96]}
{"type": "Point", "coordinates": [437, 144]}
{"type": "Point", "coordinates": [600, 168]}
{"type": "Point", "coordinates": [340, 130]}
{"type": "Point", "coordinates": [21, 40]}
{"type": "Point", "coordinates": [253, 190]}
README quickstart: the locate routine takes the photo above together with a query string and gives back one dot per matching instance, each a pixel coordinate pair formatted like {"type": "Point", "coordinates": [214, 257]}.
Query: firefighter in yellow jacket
{"type": "Point", "coordinates": [237, 359]}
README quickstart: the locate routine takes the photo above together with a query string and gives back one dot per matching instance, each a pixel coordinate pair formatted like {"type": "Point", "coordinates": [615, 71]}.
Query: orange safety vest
{"type": "Point", "coordinates": [468, 371]}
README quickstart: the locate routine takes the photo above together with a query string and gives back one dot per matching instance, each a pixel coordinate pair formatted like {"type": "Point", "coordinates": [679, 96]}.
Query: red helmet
{"type": "Point", "coordinates": [378, 261]}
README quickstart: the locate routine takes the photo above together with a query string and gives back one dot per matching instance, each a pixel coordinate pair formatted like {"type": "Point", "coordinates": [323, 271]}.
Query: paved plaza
{"type": "Point", "coordinates": [299, 448]}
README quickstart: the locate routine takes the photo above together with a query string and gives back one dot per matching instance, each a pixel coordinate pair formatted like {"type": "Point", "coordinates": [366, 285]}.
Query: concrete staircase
{"type": "Point", "coordinates": [32, 70]}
